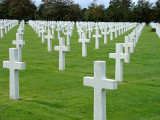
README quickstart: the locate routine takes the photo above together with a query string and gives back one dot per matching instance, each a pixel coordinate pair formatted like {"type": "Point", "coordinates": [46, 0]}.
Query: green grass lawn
{"type": "Point", "coordinates": [49, 94]}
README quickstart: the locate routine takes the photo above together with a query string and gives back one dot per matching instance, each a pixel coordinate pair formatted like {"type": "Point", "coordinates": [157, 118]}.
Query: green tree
{"type": "Point", "coordinates": [4, 9]}
{"type": "Point", "coordinates": [119, 11]}
{"type": "Point", "coordinates": [17, 9]}
{"type": "Point", "coordinates": [73, 13]}
{"type": "Point", "coordinates": [156, 11]}
{"type": "Point", "coordinates": [143, 11]}
{"type": "Point", "coordinates": [83, 11]}
{"type": "Point", "coordinates": [59, 10]}
{"type": "Point", "coordinates": [95, 12]}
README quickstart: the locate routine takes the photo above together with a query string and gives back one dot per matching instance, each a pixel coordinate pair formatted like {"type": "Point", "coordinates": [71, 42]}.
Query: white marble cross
{"type": "Point", "coordinates": [111, 33]}
{"type": "Point", "coordinates": [2, 35]}
{"type": "Point", "coordinates": [14, 65]}
{"type": "Point", "coordinates": [129, 47]}
{"type": "Point", "coordinates": [49, 37]}
{"type": "Point", "coordinates": [80, 31]}
{"type": "Point", "coordinates": [58, 30]}
{"type": "Point", "coordinates": [20, 31]}
{"type": "Point", "coordinates": [115, 31]}
{"type": "Point", "coordinates": [105, 35]}
{"type": "Point", "coordinates": [43, 34]}
{"type": "Point", "coordinates": [5, 29]}
{"type": "Point", "coordinates": [97, 36]}
{"type": "Point", "coordinates": [52, 27]}
{"type": "Point", "coordinates": [39, 31]}
{"type": "Point", "coordinates": [61, 48]}
{"type": "Point", "coordinates": [89, 30]}
{"type": "Point", "coordinates": [67, 33]}
{"type": "Point", "coordinates": [19, 44]}
{"type": "Point", "coordinates": [100, 83]}
{"type": "Point", "coordinates": [96, 27]}
{"type": "Point", "coordinates": [119, 56]}
{"type": "Point", "coordinates": [84, 44]}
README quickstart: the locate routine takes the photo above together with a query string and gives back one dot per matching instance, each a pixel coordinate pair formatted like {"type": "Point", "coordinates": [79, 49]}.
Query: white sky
{"type": "Point", "coordinates": [85, 3]}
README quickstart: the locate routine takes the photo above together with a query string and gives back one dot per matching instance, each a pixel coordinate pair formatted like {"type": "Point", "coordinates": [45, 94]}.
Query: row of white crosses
{"type": "Point", "coordinates": [65, 28]}
{"type": "Point", "coordinates": [7, 25]}
{"type": "Point", "coordinates": [15, 63]}
{"type": "Point", "coordinates": [84, 28]}
{"type": "Point", "coordinates": [157, 27]}
{"type": "Point", "coordinates": [129, 45]}
{"type": "Point", "coordinates": [100, 83]}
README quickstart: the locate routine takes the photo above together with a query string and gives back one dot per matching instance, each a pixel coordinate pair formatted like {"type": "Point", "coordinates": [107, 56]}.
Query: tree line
{"type": "Point", "coordinates": [67, 10]}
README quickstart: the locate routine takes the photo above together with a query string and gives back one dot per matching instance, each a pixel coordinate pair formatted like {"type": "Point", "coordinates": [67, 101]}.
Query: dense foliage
{"type": "Point", "coordinates": [118, 11]}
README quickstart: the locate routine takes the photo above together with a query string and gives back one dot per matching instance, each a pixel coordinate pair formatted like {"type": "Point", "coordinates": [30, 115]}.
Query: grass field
{"type": "Point", "coordinates": [49, 94]}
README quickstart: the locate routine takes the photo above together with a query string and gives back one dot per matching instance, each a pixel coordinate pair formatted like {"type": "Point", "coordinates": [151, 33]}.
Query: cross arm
{"type": "Point", "coordinates": [109, 84]}
{"type": "Point", "coordinates": [99, 35]}
{"type": "Point", "coordinates": [80, 40]}
{"type": "Point", "coordinates": [87, 40]}
{"type": "Point", "coordinates": [88, 81]}
{"type": "Point", "coordinates": [21, 42]}
{"type": "Point", "coordinates": [66, 48]}
{"type": "Point", "coordinates": [20, 65]}
{"type": "Point", "coordinates": [112, 55]}
{"type": "Point", "coordinates": [94, 35]}
{"type": "Point", "coordinates": [6, 64]}
{"type": "Point", "coordinates": [126, 58]}
{"type": "Point", "coordinates": [56, 48]}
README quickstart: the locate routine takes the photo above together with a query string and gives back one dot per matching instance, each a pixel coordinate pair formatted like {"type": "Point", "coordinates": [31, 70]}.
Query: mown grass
{"type": "Point", "coordinates": [49, 94]}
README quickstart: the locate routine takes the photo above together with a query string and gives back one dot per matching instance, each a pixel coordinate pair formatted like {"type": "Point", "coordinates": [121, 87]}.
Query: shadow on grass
{"type": "Point", "coordinates": [55, 105]}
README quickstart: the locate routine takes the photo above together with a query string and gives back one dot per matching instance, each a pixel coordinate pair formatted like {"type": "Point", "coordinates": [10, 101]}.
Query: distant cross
{"type": "Point", "coordinates": [14, 65]}
{"type": "Point", "coordinates": [100, 83]}
{"type": "Point", "coordinates": [2, 35]}
{"type": "Point", "coordinates": [89, 30]}
{"type": "Point", "coordinates": [67, 33]}
{"type": "Point", "coordinates": [115, 31]}
{"type": "Point", "coordinates": [111, 33]}
{"type": "Point", "coordinates": [61, 48]}
{"type": "Point", "coordinates": [97, 36]}
{"type": "Point", "coordinates": [133, 38]}
{"type": "Point", "coordinates": [5, 29]}
{"type": "Point", "coordinates": [96, 27]}
{"type": "Point", "coordinates": [19, 44]}
{"type": "Point", "coordinates": [52, 27]}
{"type": "Point", "coordinates": [20, 31]}
{"type": "Point", "coordinates": [39, 31]}
{"type": "Point", "coordinates": [119, 56]}
{"type": "Point", "coordinates": [119, 27]}
{"type": "Point", "coordinates": [84, 44]}
{"type": "Point", "coordinates": [105, 35]}
{"type": "Point", "coordinates": [49, 37]}
{"type": "Point", "coordinates": [129, 47]}
{"type": "Point", "coordinates": [58, 30]}
{"type": "Point", "coordinates": [43, 34]}
{"type": "Point", "coordinates": [80, 31]}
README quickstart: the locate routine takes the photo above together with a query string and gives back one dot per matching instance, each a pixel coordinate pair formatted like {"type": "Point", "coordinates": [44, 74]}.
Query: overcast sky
{"type": "Point", "coordinates": [85, 3]}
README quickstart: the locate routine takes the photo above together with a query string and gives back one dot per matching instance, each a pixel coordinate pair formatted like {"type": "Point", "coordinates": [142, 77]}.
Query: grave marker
{"type": "Point", "coordinates": [49, 37]}
{"type": "Point", "coordinates": [119, 56]}
{"type": "Point", "coordinates": [84, 44]}
{"type": "Point", "coordinates": [19, 44]}
{"type": "Point", "coordinates": [99, 82]}
{"type": "Point", "coordinates": [61, 48]}
{"type": "Point", "coordinates": [14, 65]}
